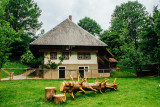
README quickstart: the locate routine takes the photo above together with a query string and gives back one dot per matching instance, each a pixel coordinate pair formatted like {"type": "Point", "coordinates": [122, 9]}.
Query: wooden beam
{"type": "Point", "coordinates": [107, 59]}
{"type": "Point", "coordinates": [59, 50]}
{"type": "Point", "coordinates": [109, 52]}
{"type": "Point", "coordinates": [100, 59]}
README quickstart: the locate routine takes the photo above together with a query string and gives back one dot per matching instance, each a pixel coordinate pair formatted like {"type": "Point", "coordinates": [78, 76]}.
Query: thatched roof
{"type": "Point", "coordinates": [68, 33]}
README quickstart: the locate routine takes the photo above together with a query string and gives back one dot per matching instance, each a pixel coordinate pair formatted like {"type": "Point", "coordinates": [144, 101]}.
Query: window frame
{"type": "Point", "coordinates": [53, 54]}
{"type": "Point", "coordinates": [65, 54]}
{"type": "Point", "coordinates": [84, 56]}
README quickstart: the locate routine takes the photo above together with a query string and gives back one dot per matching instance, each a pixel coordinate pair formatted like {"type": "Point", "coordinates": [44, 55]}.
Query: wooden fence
{"type": "Point", "coordinates": [36, 73]}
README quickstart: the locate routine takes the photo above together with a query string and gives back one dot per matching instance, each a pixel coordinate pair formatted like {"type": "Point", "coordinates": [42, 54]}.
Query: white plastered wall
{"type": "Point", "coordinates": [72, 59]}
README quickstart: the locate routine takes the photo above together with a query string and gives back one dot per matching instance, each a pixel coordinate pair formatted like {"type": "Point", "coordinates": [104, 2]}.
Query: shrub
{"type": "Point", "coordinates": [29, 59]}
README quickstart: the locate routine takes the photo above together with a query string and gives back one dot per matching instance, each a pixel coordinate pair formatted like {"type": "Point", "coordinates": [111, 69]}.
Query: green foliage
{"type": "Point", "coordinates": [133, 56]}
{"type": "Point", "coordinates": [122, 74]}
{"type": "Point", "coordinates": [150, 36]}
{"type": "Point", "coordinates": [15, 64]}
{"type": "Point", "coordinates": [53, 65]}
{"type": "Point", "coordinates": [131, 92]}
{"type": "Point", "coordinates": [27, 58]}
{"type": "Point", "coordinates": [114, 41]}
{"type": "Point", "coordinates": [90, 25]}
{"type": "Point", "coordinates": [22, 15]}
{"type": "Point", "coordinates": [132, 14]}
{"type": "Point", "coordinates": [3, 74]}
{"type": "Point", "coordinates": [7, 36]}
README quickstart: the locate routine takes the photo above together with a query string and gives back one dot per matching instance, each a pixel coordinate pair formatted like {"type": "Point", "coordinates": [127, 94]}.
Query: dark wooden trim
{"type": "Point", "coordinates": [68, 55]}
{"type": "Point", "coordinates": [59, 50]}
{"type": "Point", "coordinates": [83, 56]}
{"type": "Point", "coordinates": [53, 58]}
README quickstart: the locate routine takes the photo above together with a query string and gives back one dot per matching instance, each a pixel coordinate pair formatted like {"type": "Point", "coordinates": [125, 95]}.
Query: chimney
{"type": "Point", "coordinates": [70, 17]}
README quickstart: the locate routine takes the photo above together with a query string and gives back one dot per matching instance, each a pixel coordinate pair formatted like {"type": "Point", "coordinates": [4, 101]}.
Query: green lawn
{"type": "Point", "coordinates": [15, 64]}
{"type": "Point", "coordinates": [4, 74]}
{"type": "Point", "coordinates": [131, 92]}
{"type": "Point", "coordinates": [123, 72]}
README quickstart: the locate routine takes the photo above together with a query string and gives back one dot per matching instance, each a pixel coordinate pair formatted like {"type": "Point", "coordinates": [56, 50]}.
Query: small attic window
{"type": "Point", "coordinates": [53, 55]}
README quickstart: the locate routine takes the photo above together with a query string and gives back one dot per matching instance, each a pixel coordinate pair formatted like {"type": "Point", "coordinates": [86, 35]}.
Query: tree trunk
{"type": "Point", "coordinates": [72, 87]}
{"type": "Point", "coordinates": [50, 92]}
{"type": "Point", "coordinates": [59, 98]}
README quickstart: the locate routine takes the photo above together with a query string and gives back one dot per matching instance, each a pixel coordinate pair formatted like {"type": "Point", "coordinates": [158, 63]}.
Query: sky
{"type": "Point", "coordinates": [56, 11]}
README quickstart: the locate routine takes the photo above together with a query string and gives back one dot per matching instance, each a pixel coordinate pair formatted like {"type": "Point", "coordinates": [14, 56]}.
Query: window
{"type": "Point", "coordinates": [80, 56]}
{"type": "Point", "coordinates": [86, 69]}
{"type": "Point", "coordinates": [53, 55]}
{"type": "Point", "coordinates": [84, 56]}
{"type": "Point", "coordinates": [87, 56]}
{"type": "Point", "coordinates": [65, 55]}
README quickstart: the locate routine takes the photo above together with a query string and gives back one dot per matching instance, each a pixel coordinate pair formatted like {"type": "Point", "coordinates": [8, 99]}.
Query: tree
{"type": "Point", "coordinates": [131, 13]}
{"type": "Point", "coordinates": [7, 36]}
{"type": "Point", "coordinates": [115, 40]}
{"type": "Point", "coordinates": [133, 56]}
{"type": "Point", "coordinates": [90, 25]}
{"type": "Point", "coordinates": [150, 36]}
{"type": "Point", "coordinates": [22, 15]}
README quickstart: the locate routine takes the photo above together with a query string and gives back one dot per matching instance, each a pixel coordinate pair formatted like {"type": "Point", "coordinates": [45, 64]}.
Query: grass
{"type": "Point", "coordinates": [4, 74]}
{"type": "Point", "coordinates": [15, 64]}
{"type": "Point", "coordinates": [123, 72]}
{"type": "Point", "coordinates": [131, 92]}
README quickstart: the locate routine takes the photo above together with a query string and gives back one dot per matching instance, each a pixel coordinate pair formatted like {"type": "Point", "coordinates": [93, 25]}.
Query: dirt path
{"type": "Point", "coordinates": [17, 77]}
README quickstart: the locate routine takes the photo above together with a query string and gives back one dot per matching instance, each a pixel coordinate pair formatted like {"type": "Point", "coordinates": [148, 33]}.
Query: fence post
{"type": "Point", "coordinates": [0, 74]}
{"type": "Point", "coordinates": [91, 73]}
{"type": "Point", "coordinates": [103, 73]}
{"type": "Point", "coordinates": [26, 74]}
{"type": "Point", "coordinates": [51, 74]}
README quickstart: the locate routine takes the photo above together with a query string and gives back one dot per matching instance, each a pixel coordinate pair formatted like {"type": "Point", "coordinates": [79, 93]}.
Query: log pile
{"type": "Point", "coordinates": [72, 87]}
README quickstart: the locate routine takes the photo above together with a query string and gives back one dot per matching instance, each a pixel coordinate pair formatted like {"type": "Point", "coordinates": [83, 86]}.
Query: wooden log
{"type": "Point", "coordinates": [59, 98]}
{"type": "Point", "coordinates": [50, 92]}
{"type": "Point", "coordinates": [72, 87]}
{"type": "Point", "coordinates": [112, 86]}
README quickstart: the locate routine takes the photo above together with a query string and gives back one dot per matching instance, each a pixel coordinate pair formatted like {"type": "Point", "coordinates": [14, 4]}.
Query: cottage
{"type": "Point", "coordinates": [82, 53]}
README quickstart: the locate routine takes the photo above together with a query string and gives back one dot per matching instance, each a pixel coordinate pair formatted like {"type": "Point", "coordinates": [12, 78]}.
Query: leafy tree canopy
{"type": "Point", "coordinates": [133, 56]}
{"type": "Point", "coordinates": [150, 36]}
{"type": "Point", "coordinates": [90, 25]}
{"type": "Point", "coordinates": [22, 15]}
{"type": "Point", "coordinates": [7, 36]}
{"type": "Point", "coordinates": [131, 13]}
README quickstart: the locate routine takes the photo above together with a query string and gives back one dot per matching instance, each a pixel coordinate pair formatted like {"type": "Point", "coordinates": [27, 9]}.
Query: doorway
{"type": "Point", "coordinates": [81, 72]}
{"type": "Point", "coordinates": [62, 72]}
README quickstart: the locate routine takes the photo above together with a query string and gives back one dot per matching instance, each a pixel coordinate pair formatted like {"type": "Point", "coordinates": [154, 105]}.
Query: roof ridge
{"type": "Point", "coordinates": [60, 36]}
{"type": "Point", "coordinates": [88, 32]}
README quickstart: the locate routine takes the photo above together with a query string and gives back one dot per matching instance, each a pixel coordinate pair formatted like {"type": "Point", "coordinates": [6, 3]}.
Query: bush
{"type": "Point", "coordinates": [30, 60]}
{"type": "Point", "coordinates": [27, 58]}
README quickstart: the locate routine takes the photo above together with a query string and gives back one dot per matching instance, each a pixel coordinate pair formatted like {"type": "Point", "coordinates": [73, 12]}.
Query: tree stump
{"type": "Point", "coordinates": [50, 92]}
{"type": "Point", "coordinates": [59, 98]}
